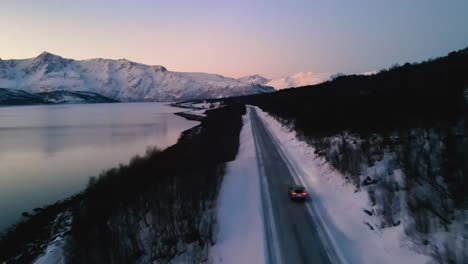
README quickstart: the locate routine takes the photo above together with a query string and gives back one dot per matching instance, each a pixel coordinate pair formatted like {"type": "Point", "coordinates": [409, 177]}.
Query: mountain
{"type": "Point", "coordinates": [19, 97]}
{"type": "Point", "coordinates": [297, 80]}
{"type": "Point", "coordinates": [254, 79]}
{"type": "Point", "coordinates": [119, 79]}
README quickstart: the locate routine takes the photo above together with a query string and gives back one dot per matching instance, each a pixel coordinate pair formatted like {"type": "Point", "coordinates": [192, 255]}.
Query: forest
{"type": "Point", "coordinates": [409, 118]}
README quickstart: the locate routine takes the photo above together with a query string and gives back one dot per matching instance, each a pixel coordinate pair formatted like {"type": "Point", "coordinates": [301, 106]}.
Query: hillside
{"type": "Point", "coordinates": [19, 97]}
{"type": "Point", "coordinates": [401, 137]}
{"type": "Point", "coordinates": [411, 95]}
{"type": "Point", "coordinates": [118, 79]}
{"type": "Point", "coordinates": [74, 97]}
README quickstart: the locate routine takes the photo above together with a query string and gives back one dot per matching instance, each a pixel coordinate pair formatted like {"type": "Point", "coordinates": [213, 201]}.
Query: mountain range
{"type": "Point", "coordinates": [296, 80]}
{"type": "Point", "coordinates": [119, 79]}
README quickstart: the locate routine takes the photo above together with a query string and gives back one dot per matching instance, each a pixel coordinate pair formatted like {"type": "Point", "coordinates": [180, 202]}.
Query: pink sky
{"type": "Point", "coordinates": [237, 38]}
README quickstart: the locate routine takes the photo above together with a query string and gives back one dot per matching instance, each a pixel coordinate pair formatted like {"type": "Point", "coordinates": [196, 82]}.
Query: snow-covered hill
{"type": "Point", "coordinates": [119, 79]}
{"type": "Point", "coordinates": [297, 80]}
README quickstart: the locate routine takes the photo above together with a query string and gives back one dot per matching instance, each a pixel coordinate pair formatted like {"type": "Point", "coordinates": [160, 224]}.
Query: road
{"type": "Point", "coordinates": [291, 234]}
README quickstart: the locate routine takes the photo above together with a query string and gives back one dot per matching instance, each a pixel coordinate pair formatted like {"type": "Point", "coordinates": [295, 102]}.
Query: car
{"type": "Point", "coordinates": [297, 193]}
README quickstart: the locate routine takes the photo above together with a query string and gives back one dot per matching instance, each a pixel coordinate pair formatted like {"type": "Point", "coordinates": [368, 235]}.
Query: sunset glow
{"type": "Point", "coordinates": [237, 38]}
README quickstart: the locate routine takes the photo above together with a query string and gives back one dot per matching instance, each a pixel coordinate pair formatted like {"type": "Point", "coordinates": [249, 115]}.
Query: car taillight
{"type": "Point", "coordinates": [304, 193]}
{"type": "Point", "coordinates": [293, 193]}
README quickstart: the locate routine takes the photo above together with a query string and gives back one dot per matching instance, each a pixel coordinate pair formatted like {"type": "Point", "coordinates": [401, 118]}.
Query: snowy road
{"type": "Point", "coordinates": [291, 234]}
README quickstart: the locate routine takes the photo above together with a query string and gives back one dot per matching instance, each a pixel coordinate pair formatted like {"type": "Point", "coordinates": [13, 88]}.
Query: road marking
{"type": "Point", "coordinates": [275, 256]}
{"type": "Point", "coordinates": [327, 239]}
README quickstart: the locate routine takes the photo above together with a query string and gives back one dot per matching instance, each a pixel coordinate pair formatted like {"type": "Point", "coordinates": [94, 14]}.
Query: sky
{"type": "Point", "coordinates": [273, 38]}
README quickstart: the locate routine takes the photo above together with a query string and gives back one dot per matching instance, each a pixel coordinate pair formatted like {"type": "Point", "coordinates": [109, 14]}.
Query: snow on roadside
{"type": "Point", "coordinates": [341, 208]}
{"type": "Point", "coordinates": [239, 234]}
{"type": "Point", "coordinates": [54, 254]}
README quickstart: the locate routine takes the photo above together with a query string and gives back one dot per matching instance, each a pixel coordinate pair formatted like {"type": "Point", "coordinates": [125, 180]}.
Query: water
{"type": "Point", "coordinates": [48, 153]}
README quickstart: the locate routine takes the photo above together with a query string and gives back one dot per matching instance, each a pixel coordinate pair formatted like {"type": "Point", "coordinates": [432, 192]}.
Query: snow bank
{"type": "Point", "coordinates": [239, 237]}
{"type": "Point", "coordinates": [53, 254]}
{"type": "Point", "coordinates": [341, 207]}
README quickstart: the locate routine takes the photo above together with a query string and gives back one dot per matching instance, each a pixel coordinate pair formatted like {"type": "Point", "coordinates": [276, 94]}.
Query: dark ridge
{"type": "Point", "coordinates": [18, 97]}
{"type": "Point", "coordinates": [414, 94]}
{"type": "Point", "coordinates": [88, 97]}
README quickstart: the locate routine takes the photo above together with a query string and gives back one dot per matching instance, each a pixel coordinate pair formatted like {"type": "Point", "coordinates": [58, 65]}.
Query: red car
{"type": "Point", "coordinates": [297, 193]}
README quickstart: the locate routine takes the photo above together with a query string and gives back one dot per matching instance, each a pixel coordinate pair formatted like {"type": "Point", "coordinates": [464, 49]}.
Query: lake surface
{"type": "Point", "coordinates": [48, 153]}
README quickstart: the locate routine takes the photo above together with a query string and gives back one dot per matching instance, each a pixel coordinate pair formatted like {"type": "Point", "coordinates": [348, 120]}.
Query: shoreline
{"type": "Point", "coordinates": [39, 228]}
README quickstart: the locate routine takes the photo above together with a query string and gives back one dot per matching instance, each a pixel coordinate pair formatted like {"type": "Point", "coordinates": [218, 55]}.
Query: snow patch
{"type": "Point", "coordinates": [54, 253]}
{"type": "Point", "coordinates": [239, 237]}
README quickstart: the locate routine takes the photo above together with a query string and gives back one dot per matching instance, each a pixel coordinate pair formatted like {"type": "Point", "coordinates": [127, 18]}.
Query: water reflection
{"type": "Point", "coordinates": [48, 152]}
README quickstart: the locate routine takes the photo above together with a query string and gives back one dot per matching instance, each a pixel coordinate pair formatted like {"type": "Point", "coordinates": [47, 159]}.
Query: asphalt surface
{"type": "Point", "coordinates": [291, 234]}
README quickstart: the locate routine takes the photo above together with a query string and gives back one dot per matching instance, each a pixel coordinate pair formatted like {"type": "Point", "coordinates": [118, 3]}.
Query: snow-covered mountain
{"type": "Point", "coordinates": [297, 80]}
{"type": "Point", "coordinates": [119, 79]}
{"type": "Point", "coordinates": [254, 79]}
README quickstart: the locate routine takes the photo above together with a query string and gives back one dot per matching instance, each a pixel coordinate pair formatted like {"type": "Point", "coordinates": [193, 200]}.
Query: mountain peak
{"type": "Point", "coordinates": [49, 62]}
{"type": "Point", "coordinates": [45, 53]}
{"type": "Point", "coordinates": [254, 79]}
{"type": "Point", "coordinates": [255, 76]}
{"type": "Point", "coordinates": [159, 68]}
{"type": "Point", "coordinates": [47, 56]}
